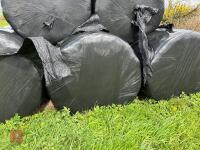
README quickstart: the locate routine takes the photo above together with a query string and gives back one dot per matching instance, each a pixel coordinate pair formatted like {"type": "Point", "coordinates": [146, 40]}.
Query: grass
{"type": "Point", "coordinates": [173, 124]}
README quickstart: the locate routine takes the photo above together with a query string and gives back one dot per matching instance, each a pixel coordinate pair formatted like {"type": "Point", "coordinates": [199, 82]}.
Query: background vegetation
{"type": "Point", "coordinates": [182, 16]}
{"type": "Point", "coordinates": [176, 10]}
{"type": "Point", "coordinates": [145, 125]}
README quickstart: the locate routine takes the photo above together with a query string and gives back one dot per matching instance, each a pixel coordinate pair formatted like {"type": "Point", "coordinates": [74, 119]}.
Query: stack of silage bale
{"type": "Point", "coordinates": [82, 50]}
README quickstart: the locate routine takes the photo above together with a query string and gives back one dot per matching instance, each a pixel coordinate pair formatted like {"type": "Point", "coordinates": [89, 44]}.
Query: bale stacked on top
{"type": "Point", "coordinates": [117, 16]}
{"type": "Point", "coordinates": [52, 19]}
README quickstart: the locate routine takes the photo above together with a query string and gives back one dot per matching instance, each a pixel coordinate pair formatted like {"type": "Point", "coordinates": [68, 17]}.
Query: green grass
{"type": "Point", "coordinates": [171, 125]}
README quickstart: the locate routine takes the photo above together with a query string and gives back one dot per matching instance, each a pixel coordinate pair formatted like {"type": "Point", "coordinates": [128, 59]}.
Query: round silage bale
{"type": "Point", "coordinates": [90, 69]}
{"type": "Point", "coordinates": [20, 81]}
{"type": "Point", "coordinates": [20, 87]}
{"type": "Point", "coordinates": [117, 16]}
{"type": "Point", "coordinates": [175, 65]}
{"type": "Point", "coordinates": [54, 20]}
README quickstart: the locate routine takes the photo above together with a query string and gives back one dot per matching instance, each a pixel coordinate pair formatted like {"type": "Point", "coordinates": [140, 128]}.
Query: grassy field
{"type": "Point", "coordinates": [143, 125]}
{"type": "Point", "coordinates": [170, 125]}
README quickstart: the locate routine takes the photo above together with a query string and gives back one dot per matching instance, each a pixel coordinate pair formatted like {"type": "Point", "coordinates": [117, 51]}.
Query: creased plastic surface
{"type": "Point", "coordinates": [175, 65]}
{"type": "Point", "coordinates": [116, 16]}
{"type": "Point", "coordinates": [51, 19]}
{"type": "Point", "coordinates": [20, 81]}
{"type": "Point", "coordinates": [92, 69]}
{"type": "Point", "coordinates": [51, 59]}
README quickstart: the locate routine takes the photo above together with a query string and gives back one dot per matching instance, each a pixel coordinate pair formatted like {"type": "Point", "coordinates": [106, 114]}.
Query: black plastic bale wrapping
{"type": "Point", "coordinates": [117, 16]}
{"type": "Point", "coordinates": [89, 68]}
{"type": "Point", "coordinates": [52, 19]}
{"type": "Point", "coordinates": [175, 65]}
{"type": "Point", "coordinates": [20, 82]}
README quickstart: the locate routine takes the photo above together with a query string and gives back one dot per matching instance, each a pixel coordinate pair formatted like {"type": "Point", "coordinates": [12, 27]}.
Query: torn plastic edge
{"type": "Point", "coordinates": [27, 50]}
{"type": "Point", "coordinates": [50, 56]}
{"type": "Point", "coordinates": [141, 16]}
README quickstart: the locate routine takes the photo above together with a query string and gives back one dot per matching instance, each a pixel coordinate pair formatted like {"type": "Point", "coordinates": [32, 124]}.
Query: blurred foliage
{"type": "Point", "coordinates": [3, 22]}
{"type": "Point", "coordinates": [176, 10]}
{"type": "Point", "coordinates": [182, 15]}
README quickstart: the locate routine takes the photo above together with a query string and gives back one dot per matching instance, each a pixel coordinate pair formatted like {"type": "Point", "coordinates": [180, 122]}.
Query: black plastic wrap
{"type": "Point", "coordinates": [142, 15]}
{"type": "Point", "coordinates": [175, 65]}
{"type": "Point", "coordinates": [10, 42]}
{"type": "Point", "coordinates": [89, 69]}
{"type": "Point", "coordinates": [20, 81]}
{"type": "Point", "coordinates": [52, 19]}
{"type": "Point", "coordinates": [117, 16]}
